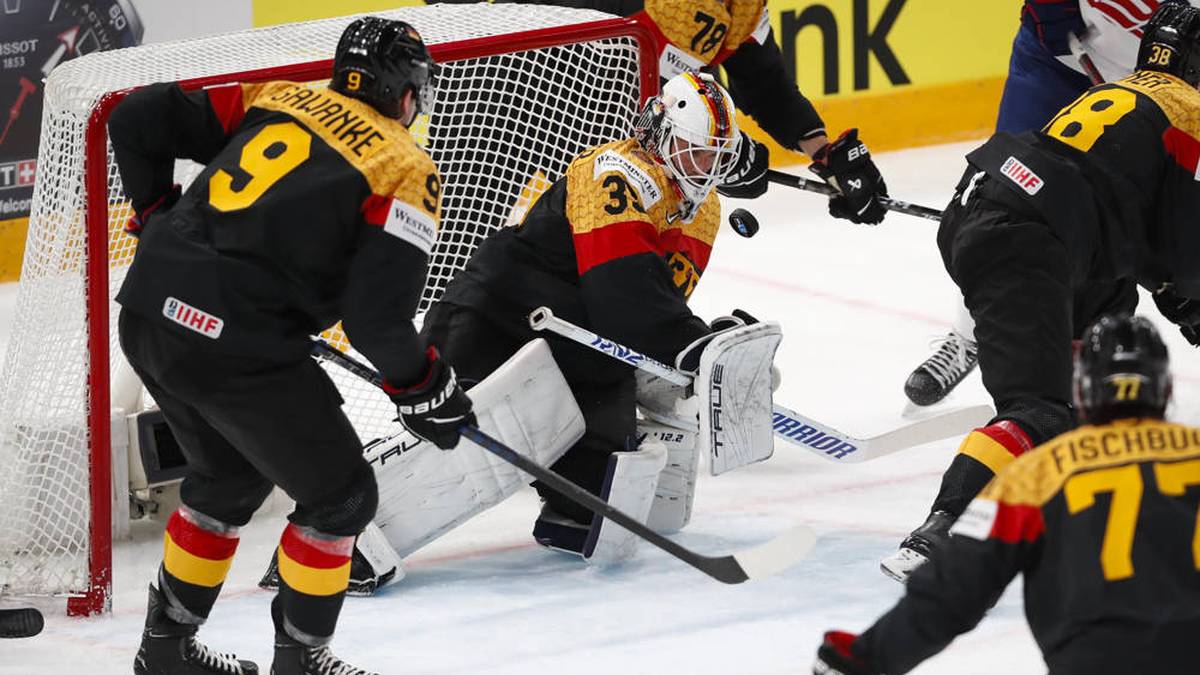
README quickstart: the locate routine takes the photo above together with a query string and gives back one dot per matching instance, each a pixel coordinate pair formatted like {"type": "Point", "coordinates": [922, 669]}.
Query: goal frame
{"type": "Point", "coordinates": [98, 596]}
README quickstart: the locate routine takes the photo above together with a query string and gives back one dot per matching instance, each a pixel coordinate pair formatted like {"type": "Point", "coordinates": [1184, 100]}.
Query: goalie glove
{"type": "Point", "coordinates": [836, 656]}
{"type": "Point", "coordinates": [747, 178]}
{"type": "Point", "coordinates": [846, 165]}
{"type": "Point", "coordinates": [435, 408]}
{"type": "Point", "coordinates": [1181, 311]}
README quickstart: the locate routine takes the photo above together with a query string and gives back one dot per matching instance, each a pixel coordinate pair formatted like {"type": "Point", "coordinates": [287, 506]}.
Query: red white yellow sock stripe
{"type": "Point", "coordinates": [996, 445]}
{"type": "Point", "coordinates": [313, 563]}
{"type": "Point", "coordinates": [196, 554]}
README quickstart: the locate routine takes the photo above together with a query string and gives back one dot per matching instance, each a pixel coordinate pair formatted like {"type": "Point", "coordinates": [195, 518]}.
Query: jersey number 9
{"type": "Point", "coordinates": [273, 152]}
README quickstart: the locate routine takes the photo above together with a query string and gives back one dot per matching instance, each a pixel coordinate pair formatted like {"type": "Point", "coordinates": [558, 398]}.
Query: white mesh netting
{"type": "Point", "coordinates": [503, 128]}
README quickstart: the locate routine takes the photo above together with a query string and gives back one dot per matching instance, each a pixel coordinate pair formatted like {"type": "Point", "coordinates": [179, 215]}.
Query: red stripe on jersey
{"type": "Point", "coordinates": [1008, 434]}
{"type": "Point", "coordinates": [226, 101]}
{"type": "Point", "coordinates": [315, 552]}
{"type": "Point", "coordinates": [614, 241]}
{"type": "Point", "coordinates": [697, 250]}
{"type": "Point", "coordinates": [198, 541]}
{"type": "Point", "coordinates": [1183, 147]}
{"type": "Point", "coordinates": [1017, 522]}
{"type": "Point", "coordinates": [375, 209]}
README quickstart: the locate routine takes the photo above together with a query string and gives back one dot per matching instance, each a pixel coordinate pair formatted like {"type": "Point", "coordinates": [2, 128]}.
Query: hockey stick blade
{"type": "Point", "coordinates": [818, 438]}
{"type": "Point", "coordinates": [763, 560]}
{"type": "Point", "coordinates": [20, 623]}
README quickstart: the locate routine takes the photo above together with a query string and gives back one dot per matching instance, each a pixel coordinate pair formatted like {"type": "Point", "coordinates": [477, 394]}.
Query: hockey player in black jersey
{"type": "Point", "coordinates": [315, 205]}
{"type": "Point", "coordinates": [1105, 192]}
{"type": "Point", "coordinates": [1101, 522]}
{"type": "Point", "coordinates": [736, 35]}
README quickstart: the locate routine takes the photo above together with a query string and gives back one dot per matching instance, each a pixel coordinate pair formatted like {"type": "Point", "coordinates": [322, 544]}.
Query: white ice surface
{"type": "Point", "coordinates": [858, 306]}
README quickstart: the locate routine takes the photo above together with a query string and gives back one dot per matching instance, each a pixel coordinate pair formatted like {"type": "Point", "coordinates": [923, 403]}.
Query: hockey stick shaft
{"type": "Point", "coordinates": [767, 559]}
{"type": "Point", "coordinates": [820, 187]}
{"type": "Point", "coordinates": [787, 424]}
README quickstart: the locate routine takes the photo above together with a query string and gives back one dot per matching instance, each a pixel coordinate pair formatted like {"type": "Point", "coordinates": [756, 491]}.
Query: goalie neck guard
{"type": "Point", "coordinates": [691, 129]}
{"type": "Point", "coordinates": [1121, 371]}
{"type": "Point", "coordinates": [378, 61]}
{"type": "Point", "coordinates": [1171, 42]}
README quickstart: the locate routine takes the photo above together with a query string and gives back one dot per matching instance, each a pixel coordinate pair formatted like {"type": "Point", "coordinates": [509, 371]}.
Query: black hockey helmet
{"type": "Point", "coordinates": [1121, 371]}
{"type": "Point", "coordinates": [379, 60]}
{"type": "Point", "coordinates": [1171, 42]}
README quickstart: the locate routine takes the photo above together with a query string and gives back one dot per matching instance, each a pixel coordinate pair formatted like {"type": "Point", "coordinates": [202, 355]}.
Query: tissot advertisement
{"type": "Point", "coordinates": [36, 36]}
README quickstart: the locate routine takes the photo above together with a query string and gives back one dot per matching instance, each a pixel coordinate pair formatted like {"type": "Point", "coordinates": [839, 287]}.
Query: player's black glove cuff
{"type": "Point", "coordinates": [748, 177]}
{"type": "Point", "coordinates": [1181, 311]}
{"type": "Point", "coordinates": [846, 165]}
{"type": "Point", "coordinates": [836, 656]}
{"type": "Point", "coordinates": [434, 408]}
{"type": "Point", "coordinates": [137, 222]}
{"type": "Point", "coordinates": [736, 319]}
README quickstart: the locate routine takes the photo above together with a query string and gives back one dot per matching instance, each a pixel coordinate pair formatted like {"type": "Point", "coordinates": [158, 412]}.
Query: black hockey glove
{"type": "Point", "coordinates": [1181, 311]}
{"type": "Point", "coordinates": [835, 656]}
{"type": "Point", "coordinates": [137, 222]}
{"type": "Point", "coordinates": [436, 407]}
{"type": "Point", "coordinates": [748, 177]}
{"type": "Point", "coordinates": [846, 165]}
{"type": "Point", "coordinates": [736, 319]}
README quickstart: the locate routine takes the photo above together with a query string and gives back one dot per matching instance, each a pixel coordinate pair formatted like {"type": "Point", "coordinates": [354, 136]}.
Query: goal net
{"type": "Point", "coordinates": [521, 91]}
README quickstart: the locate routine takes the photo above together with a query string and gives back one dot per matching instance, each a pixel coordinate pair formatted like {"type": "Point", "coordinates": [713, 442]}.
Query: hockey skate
{"type": "Point", "coordinates": [171, 648]}
{"type": "Point", "coordinates": [933, 380]}
{"type": "Point", "coordinates": [917, 547]}
{"type": "Point", "coordinates": [295, 658]}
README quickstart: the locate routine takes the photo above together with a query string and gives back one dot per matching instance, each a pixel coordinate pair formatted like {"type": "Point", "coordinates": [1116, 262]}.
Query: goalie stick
{"type": "Point", "coordinates": [20, 623]}
{"type": "Point", "coordinates": [813, 185]}
{"type": "Point", "coordinates": [789, 425]}
{"type": "Point", "coordinates": [758, 562]}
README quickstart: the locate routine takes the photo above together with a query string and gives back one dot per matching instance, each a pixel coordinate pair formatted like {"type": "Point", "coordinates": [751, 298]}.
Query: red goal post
{"type": "Point", "coordinates": [515, 103]}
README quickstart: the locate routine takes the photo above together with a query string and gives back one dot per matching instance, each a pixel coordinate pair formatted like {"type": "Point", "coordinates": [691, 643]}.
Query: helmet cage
{"type": "Point", "coordinates": [697, 146]}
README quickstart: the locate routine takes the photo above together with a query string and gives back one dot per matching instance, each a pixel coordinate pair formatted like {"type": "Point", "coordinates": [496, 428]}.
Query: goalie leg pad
{"type": "Point", "coordinates": [676, 490]}
{"type": "Point", "coordinates": [425, 492]}
{"type": "Point", "coordinates": [734, 386]}
{"type": "Point", "coordinates": [629, 487]}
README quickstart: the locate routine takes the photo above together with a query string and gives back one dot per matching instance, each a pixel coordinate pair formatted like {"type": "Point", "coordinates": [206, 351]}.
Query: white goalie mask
{"type": "Point", "coordinates": [691, 128]}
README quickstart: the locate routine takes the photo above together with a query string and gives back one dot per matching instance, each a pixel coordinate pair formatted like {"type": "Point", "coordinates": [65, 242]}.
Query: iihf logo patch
{"type": "Point", "coordinates": [1022, 175]}
{"type": "Point", "coordinates": [193, 319]}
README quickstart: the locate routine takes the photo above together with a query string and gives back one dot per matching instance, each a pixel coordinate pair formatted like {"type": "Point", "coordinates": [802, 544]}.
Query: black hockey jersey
{"type": "Point", "coordinates": [1115, 174]}
{"type": "Point", "coordinates": [313, 207]}
{"type": "Point", "coordinates": [603, 248]}
{"type": "Point", "coordinates": [734, 34]}
{"type": "Point", "coordinates": [1102, 523]}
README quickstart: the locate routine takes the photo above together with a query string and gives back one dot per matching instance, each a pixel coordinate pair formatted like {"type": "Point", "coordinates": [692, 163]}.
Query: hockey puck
{"type": "Point", "coordinates": [743, 222]}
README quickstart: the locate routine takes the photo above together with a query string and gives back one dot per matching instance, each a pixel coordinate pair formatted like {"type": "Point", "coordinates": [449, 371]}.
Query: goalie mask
{"type": "Point", "coordinates": [691, 129]}
{"type": "Point", "coordinates": [1171, 42]}
{"type": "Point", "coordinates": [1121, 371]}
{"type": "Point", "coordinates": [378, 61]}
